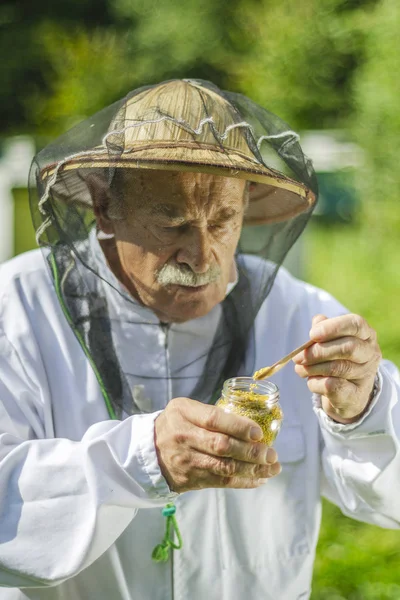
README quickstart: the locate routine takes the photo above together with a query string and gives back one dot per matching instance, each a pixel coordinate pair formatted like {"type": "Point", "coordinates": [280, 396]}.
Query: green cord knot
{"type": "Point", "coordinates": [168, 510]}
{"type": "Point", "coordinates": [161, 551]}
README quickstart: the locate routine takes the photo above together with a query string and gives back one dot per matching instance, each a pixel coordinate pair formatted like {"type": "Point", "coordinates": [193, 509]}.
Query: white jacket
{"type": "Point", "coordinates": [81, 495]}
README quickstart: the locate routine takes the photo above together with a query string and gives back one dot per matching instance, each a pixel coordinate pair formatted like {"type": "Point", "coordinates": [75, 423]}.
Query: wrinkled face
{"type": "Point", "coordinates": [175, 238]}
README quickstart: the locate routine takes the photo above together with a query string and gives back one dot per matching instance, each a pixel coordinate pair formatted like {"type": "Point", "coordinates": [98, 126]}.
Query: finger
{"type": "Point", "coordinates": [201, 478]}
{"type": "Point", "coordinates": [242, 482]}
{"type": "Point", "coordinates": [336, 389]}
{"type": "Point", "coordinates": [345, 369]}
{"type": "Point", "coordinates": [341, 326]}
{"type": "Point", "coordinates": [228, 467]}
{"type": "Point", "coordinates": [214, 418]}
{"type": "Point", "coordinates": [340, 400]}
{"type": "Point", "coordinates": [220, 444]}
{"type": "Point", "coordinates": [318, 319]}
{"type": "Point", "coordinates": [239, 483]}
{"type": "Point", "coordinates": [350, 348]}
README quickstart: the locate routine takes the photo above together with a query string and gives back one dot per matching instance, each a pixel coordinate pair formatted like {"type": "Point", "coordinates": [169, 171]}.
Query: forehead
{"type": "Point", "coordinates": [181, 190]}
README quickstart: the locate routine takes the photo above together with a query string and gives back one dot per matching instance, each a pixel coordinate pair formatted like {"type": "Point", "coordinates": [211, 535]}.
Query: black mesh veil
{"type": "Point", "coordinates": [180, 125]}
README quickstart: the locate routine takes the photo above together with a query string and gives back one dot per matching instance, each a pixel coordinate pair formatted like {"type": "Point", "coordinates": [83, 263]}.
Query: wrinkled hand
{"type": "Point", "coordinates": [342, 365]}
{"type": "Point", "coordinates": [201, 446]}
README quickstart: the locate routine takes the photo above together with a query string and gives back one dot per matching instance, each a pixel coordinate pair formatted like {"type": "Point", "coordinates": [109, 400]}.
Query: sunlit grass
{"type": "Point", "coordinates": [355, 561]}
{"type": "Point", "coordinates": [360, 265]}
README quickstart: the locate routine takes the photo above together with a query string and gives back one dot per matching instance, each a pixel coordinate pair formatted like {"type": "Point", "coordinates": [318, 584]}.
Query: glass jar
{"type": "Point", "coordinates": [258, 400]}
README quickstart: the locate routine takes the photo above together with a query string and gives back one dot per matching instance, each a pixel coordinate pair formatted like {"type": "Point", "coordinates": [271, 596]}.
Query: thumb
{"type": "Point", "coordinates": [317, 319]}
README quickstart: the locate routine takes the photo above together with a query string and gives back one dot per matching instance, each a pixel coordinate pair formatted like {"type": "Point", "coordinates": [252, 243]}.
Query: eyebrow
{"type": "Point", "coordinates": [167, 210]}
{"type": "Point", "coordinates": [173, 212]}
{"type": "Point", "coordinates": [226, 213]}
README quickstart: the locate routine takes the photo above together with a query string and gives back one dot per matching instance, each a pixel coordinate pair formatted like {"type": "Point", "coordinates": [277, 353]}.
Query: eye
{"type": "Point", "coordinates": [222, 221]}
{"type": "Point", "coordinates": [175, 228]}
{"type": "Point", "coordinates": [216, 226]}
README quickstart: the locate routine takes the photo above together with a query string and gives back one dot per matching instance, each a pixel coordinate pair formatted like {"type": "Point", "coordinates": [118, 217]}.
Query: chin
{"type": "Point", "coordinates": [184, 313]}
{"type": "Point", "coordinates": [188, 306]}
{"type": "Point", "coordinates": [190, 314]}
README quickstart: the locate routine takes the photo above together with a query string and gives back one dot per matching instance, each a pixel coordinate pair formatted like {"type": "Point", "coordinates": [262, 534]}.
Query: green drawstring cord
{"type": "Point", "coordinates": [161, 551]}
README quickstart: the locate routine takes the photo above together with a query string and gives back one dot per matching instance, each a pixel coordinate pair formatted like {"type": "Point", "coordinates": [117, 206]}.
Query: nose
{"type": "Point", "coordinates": [195, 250]}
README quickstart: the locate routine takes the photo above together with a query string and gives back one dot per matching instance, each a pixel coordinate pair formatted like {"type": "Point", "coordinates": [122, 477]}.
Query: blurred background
{"type": "Point", "coordinates": [330, 68]}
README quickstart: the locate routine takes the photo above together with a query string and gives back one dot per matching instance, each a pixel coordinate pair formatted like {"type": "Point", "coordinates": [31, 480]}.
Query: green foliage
{"type": "Point", "coordinates": [300, 59]}
{"type": "Point", "coordinates": [149, 42]}
{"type": "Point", "coordinates": [377, 92]}
{"type": "Point", "coordinates": [25, 67]}
{"type": "Point", "coordinates": [87, 72]}
{"type": "Point", "coordinates": [164, 39]}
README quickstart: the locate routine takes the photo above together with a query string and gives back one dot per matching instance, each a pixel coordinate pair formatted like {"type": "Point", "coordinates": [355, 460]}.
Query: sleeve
{"type": "Point", "coordinates": [361, 461]}
{"type": "Point", "coordinates": [63, 503]}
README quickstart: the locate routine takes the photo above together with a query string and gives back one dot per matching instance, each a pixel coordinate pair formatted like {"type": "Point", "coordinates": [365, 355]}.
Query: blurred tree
{"type": "Point", "coordinates": [87, 71]}
{"type": "Point", "coordinates": [377, 93]}
{"type": "Point", "coordinates": [148, 42]}
{"type": "Point", "coordinates": [313, 62]}
{"type": "Point", "coordinates": [298, 59]}
{"type": "Point", "coordinates": [25, 67]}
{"type": "Point", "coordinates": [301, 58]}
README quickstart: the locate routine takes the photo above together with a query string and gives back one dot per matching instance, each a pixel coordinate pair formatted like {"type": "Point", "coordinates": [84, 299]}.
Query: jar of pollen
{"type": "Point", "coordinates": [258, 400]}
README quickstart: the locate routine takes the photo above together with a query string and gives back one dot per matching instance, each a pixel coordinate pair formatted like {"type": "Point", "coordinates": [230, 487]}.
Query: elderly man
{"type": "Point", "coordinates": [115, 346]}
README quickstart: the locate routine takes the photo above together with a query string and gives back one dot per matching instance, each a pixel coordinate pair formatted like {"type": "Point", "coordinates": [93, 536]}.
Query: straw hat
{"type": "Point", "coordinates": [182, 125]}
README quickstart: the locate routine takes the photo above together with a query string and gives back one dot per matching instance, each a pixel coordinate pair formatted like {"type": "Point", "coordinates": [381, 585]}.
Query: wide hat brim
{"type": "Point", "coordinates": [274, 197]}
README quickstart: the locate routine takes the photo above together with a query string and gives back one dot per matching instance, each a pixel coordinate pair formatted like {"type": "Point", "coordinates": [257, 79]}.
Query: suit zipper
{"type": "Point", "coordinates": [165, 329]}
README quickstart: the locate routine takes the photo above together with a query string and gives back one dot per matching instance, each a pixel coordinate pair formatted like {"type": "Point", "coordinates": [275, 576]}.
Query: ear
{"type": "Point", "coordinates": [101, 199]}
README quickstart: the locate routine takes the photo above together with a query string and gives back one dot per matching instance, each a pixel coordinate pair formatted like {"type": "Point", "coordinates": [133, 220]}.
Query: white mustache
{"type": "Point", "coordinates": [173, 274]}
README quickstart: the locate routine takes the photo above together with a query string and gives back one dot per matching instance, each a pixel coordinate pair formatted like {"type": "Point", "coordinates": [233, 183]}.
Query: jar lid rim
{"type": "Point", "coordinates": [271, 388]}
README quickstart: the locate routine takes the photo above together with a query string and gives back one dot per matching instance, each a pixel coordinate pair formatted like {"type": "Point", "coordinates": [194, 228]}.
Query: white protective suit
{"type": "Point", "coordinates": [81, 495]}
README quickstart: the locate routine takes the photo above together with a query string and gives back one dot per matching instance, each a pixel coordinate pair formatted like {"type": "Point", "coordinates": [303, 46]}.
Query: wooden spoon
{"type": "Point", "coordinates": [269, 371]}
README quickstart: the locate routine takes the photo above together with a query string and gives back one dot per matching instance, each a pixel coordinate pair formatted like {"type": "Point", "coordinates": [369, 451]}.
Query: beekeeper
{"type": "Point", "coordinates": [120, 479]}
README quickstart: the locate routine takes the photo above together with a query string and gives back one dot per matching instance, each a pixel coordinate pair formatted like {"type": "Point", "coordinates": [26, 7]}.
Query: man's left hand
{"type": "Point", "coordinates": [341, 366]}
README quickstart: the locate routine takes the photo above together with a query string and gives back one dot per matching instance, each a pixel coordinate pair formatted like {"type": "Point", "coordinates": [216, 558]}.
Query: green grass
{"type": "Point", "coordinates": [360, 265]}
{"type": "Point", "coordinates": [355, 561]}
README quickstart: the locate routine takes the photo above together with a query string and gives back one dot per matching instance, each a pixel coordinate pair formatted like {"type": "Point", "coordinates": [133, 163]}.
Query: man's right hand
{"type": "Point", "coordinates": [201, 446]}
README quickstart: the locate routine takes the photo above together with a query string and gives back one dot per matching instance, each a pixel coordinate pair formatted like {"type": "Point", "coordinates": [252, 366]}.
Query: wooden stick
{"type": "Point", "coordinates": [269, 371]}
